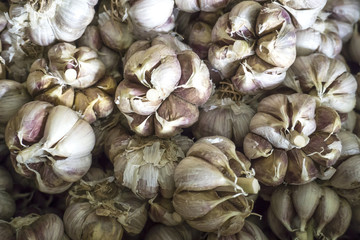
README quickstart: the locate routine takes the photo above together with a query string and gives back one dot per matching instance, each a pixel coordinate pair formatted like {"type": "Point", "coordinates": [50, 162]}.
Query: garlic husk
{"type": "Point", "coordinates": [102, 206]}
{"type": "Point", "coordinates": [347, 174]}
{"type": "Point", "coordinates": [340, 223]}
{"type": "Point", "coordinates": [329, 81]}
{"type": "Point", "coordinates": [41, 139]}
{"type": "Point", "coordinates": [146, 165]}
{"type": "Point", "coordinates": [180, 232]}
{"type": "Point", "coordinates": [326, 210]}
{"type": "Point", "coordinates": [114, 34]}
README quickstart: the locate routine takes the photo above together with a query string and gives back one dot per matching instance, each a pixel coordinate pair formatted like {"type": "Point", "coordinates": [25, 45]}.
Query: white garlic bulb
{"type": "Point", "coordinates": [64, 20]}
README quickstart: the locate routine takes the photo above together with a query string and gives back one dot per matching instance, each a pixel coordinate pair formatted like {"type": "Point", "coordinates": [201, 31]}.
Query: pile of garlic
{"type": "Point", "coordinates": [179, 119]}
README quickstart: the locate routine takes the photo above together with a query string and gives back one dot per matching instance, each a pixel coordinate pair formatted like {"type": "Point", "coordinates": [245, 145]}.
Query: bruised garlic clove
{"type": "Point", "coordinates": [41, 139]}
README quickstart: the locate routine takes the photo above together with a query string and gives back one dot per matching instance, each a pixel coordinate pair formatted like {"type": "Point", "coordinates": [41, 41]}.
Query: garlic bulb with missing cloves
{"type": "Point", "coordinates": [50, 144]}
{"type": "Point", "coordinates": [164, 83]}
{"type": "Point", "coordinates": [253, 45]}
{"type": "Point", "coordinates": [292, 140]}
{"type": "Point", "coordinates": [73, 77]}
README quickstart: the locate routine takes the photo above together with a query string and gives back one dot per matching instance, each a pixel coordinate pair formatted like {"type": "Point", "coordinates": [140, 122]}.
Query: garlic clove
{"type": "Point", "coordinates": [340, 223]}
{"type": "Point", "coordinates": [301, 168]}
{"type": "Point", "coordinates": [65, 168]}
{"type": "Point", "coordinates": [161, 210]}
{"type": "Point", "coordinates": [327, 120]}
{"type": "Point", "coordinates": [91, 38]}
{"type": "Point", "coordinates": [326, 210]}
{"type": "Point", "coordinates": [190, 6]}
{"type": "Point", "coordinates": [347, 174]}
{"type": "Point", "coordinates": [276, 226]}
{"type": "Point", "coordinates": [282, 207]}
{"type": "Point", "coordinates": [305, 200]}
{"type": "Point", "coordinates": [271, 170]}
{"type": "Point", "coordinates": [351, 195]}
{"type": "Point", "coordinates": [58, 95]}
{"type": "Point", "coordinates": [256, 146]}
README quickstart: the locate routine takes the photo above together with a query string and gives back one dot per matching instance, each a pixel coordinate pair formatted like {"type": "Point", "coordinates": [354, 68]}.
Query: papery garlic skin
{"type": "Point", "coordinates": [328, 81]}
{"type": "Point", "coordinates": [99, 209]}
{"type": "Point", "coordinates": [42, 140]}
{"type": "Point", "coordinates": [164, 83]}
{"type": "Point", "coordinates": [146, 164]}
{"type": "Point", "coordinates": [73, 78]}
{"type": "Point", "coordinates": [253, 46]}
{"type": "Point", "coordinates": [58, 20]}
{"type": "Point", "coordinates": [292, 140]}
{"type": "Point", "coordinates": [211, 184]}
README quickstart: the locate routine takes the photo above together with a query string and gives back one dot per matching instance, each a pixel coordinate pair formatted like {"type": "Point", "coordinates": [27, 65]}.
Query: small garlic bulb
{"type": "Point", "coordinates": [72, 77]}
{"type": "Point", "coordinates": [292, 140]}
{"type": "Point", "coordinates": [48, 21]}
{"type": "Point", "coordinates": [98, 209]}
{"type": "Point", "coordinates": [253, 45]}
{"type": "Point", "coordinates": [44, 144]}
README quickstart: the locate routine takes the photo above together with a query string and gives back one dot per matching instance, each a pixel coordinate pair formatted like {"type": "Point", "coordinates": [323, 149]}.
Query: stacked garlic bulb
{"type": "Point", "coordinates": [50, 144]}
{"type": "Point", "coordinates": [292, 140]}
{"type": "Point", "coordinates": [253, 45]}
{"type": "Point", "coordinates": [164, 83]}
{"type": "Point", "coordinates": [72, 77]}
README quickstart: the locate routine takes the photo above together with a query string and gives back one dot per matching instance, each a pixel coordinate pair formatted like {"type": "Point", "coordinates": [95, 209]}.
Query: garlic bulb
{"type": "Point", "coordinates": [224, 114]}
{"type": "Point", "coordinates": [115, 34]}
{"type": "Point", "coordinates": [328, 81]}
{"type": "Point", "coordinates": [303, 12]}
{"type": "Point", "coordinates": [253, 45]}
{"type": "Point", "coordinates": [212, 183]}
{"type": "Point", "coordinates": [164, 83]}
{"type": "Point", "coordinates": [44, 144]}
{"type": "Point", "coordinates": [180, 232]}
{"type": "Point", "coordinates": [70, 68]}
{"type": "Point", "coordinates": [99, 209]}
{"type": "Point", "coordinates": [292, 140]}
{"type": "Point", "coordinates": [249, 231]}
{"type": "Point", "coordinates": [146, 164]}
{"type": "Point", "coordinates": [308, 210]}
{"type": "Point", "coordinates": [33, 226]}
{"type": "Point", "coordinates": [202, 5]}
{"type": "Point", "coordinates": [322, 37]}
{"type": "Point", "coordinates": [48, 21]}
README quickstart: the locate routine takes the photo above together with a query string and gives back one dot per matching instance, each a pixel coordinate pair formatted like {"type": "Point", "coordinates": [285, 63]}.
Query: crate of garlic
{"type": "Point", "coordinates": [179, 119]}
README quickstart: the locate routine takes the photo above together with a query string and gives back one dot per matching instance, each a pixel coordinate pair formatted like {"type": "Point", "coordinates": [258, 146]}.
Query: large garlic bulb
{"type": "Point", "coordinates": [253, 45]}
{"type": "Point", "coordinates": [292, 140]}
{"type": "Point", "coordinates": [99, 209]}
{"type": "Point", "coordinates": [164, 83]}
{"type": "Point", "coordinates": [72, 77]}
{"type": "Point", "coordinates": [328, 80]}
{"type": "Point", "coordinates": [212, 184]}
{"type": "Point", "coordinates": [50, 144]}
{"type": "Point", "coordinates": [146, 164]}
{"type": "Point", "coordinates": [308, 211]}
{"type": "Point", "coordinates": [48, 21]}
